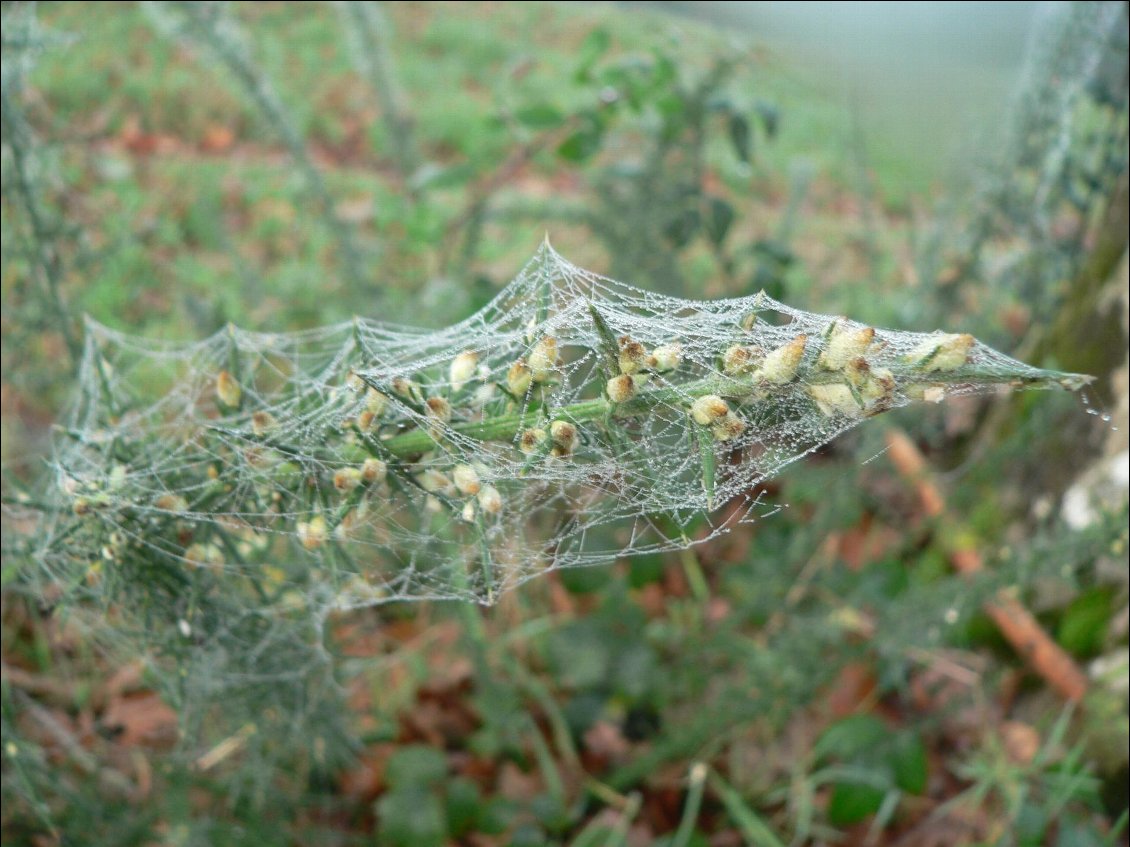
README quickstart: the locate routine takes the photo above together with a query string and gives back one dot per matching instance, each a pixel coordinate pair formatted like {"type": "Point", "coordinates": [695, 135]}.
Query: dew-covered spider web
{"type": "Point", "coordinates": [572, 421]}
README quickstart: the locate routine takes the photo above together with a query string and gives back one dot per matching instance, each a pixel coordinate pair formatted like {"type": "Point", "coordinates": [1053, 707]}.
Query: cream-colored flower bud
{"type": "Point", "coordinates": [727, 428]}
{"type": "Point", "coordinates": [666, 357]}
{"type": "Point", "coordinates": [845, 344]}
{"type": "Point", "coordinates": [439, 409]}
{"type": "Point", "coordinates": [531, 440]}
{"type": "Point", "coordinates": [879, 384]}
{"type": "Point", "coordinates": [436, 482]}
{"type": "Point", "coordinates": [171, 503]}
{"type": "Point", "coordinates": [463, 368]}
{"type": "Point", "coordinates": [941, 352]}
{"type": "Point", "coordinates": [468, 513]}
{"type": "Point", "coordinates": [835, 398]}
{"type": "Point", "coordinates": [620, 389]}
{"type": "Point", "coordinates": [346, 479]}
{"type": "Point", "coordinates": [204, 554]}
{"type": "Point", "coordinates": [740, 359]}
{"type": "Point", "coordinates": [633, 356]}
{"type": "Point", "coordinates": [262, 423]}
{"type": "Point", "coordinates": [375, 402]}
{"type": "Point", "coordinates": [519, 378]}
{"type": "Point", "coordinates": [366, 420]}
{"type": "Point", "coordinates": [484, 394]}
{"type": "Point", "coordinates": [708, 409]}
{"type": "Point", "coordinates": [466, 479]}
{"type": "Point", "coordinates": [228, 390]}
{"type": "Point", "coordinates": [407, 389]}
{"type": "Point", "coordinates": [780, 366]}
{"type": "Point", "coordinates": [543, 359]}
{"type": "Point", "coordinates": [373, 471]}
{"type": "Point", "coordinates": [313, 533]}
{"type": "Point", "coordinates": [490, 501]}
{"type": "Point", "coordinates": [565, 437]}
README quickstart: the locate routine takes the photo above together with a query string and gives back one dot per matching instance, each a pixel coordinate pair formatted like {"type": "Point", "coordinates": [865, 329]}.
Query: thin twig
{"type": "Point", "coordinates": [1014, 621]}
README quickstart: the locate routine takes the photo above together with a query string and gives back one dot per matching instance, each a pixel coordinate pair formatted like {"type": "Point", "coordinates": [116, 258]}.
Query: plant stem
{"type": "Point", "coordinates": [506, 427]}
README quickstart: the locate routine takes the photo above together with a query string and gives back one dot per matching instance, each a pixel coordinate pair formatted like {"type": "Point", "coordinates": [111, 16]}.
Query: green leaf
{"type": "Point", "coordinates": [719, 217]}
{"type": "Point", "coordinates": [594, 46]}
{"type": "Point", "coordinates": [416, 766]}
{"type": "Point", "coordinates": [609, 345]}
{"type": "Point", "coordinates": [1082, 629]}
{"type": "Point", "coordinates": [851, 802]}
{"type": "Point", "coordinates": [582, 144]}
{"type": "Point", "coordinates": [463, 802]}
{"type": "Point", "coordinates": [851, 736]}
{"type": "Point", "coordinates": [908, 764]}
{"type": "Point", "coordinates": [539, 116]}
{"type": "Point", "coordinates": [410, 818]}
{"type": "Point", "coordinates": [741, 137]}
{"type": "Point", "coordinates": [585, 580]}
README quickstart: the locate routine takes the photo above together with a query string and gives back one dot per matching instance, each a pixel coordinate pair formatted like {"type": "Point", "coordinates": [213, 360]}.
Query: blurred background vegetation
{"type": "Point", "coordinates": [826, 676]}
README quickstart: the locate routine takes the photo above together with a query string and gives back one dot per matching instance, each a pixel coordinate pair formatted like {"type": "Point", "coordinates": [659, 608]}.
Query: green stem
{"type": "Point", "coordinates": [507, 427]}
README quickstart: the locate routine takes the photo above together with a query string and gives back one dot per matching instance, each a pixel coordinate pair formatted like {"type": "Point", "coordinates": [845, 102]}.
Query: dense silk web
{"type": "Point", "coordinates": [573, 420]}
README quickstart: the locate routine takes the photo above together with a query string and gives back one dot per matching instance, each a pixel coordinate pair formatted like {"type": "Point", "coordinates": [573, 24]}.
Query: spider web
{"type": "Point", "coordinates": [573, 420]}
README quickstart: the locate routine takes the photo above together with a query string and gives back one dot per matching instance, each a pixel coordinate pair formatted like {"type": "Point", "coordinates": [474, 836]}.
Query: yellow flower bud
{"type": "Point", "coordinates": [941, 352]}
{"type": "Point", "coordinates": [780, 366]}
{"type": "Point", "coordinates": [845, 344]}
{"type": "Point", "coordinates": [407, 389]}
{"type": "Point", "coordinates": [543, 359]}
{"type": "Point", "coordinates": [621, 388]}
{"type": "Point", "coordinates": [490, 501]}
{"type": "Point", "coordinates": [633, 357]}
{"type": "Point", "coordinates": [740, 359]}
{"type": "Point", "coordinates": [727, 428]}
{"type": "Point", "coordinates": [531, 440]}
{"type": "Point", "coordinates": [346, 479]}
{"type": "Point", "coordinates": [313, 533]}
{"type": "Point", "coordinates": [666, 357]}
{"type": "Point", "coordinates": [435, 482]}
{"type": "Point", "coordinates": [262, 423]}
{"type": "Point", "coordinates": [375, 402]}
{"type": "Point", "coordinates": [708, 409]}
{"type": "Point", "coordinates": [466, 479]}
{"type": "Point", "coordinates": [463, 369]}
{"type": "Point", "coordinates": [373, 470]}
{"type": "Point", "coordinates": [171, 503]}
{"type": "Point", "coordinates": [439, 409]}
{"type": "Point", "coordinates": [228, 390]}
{"type": "Point", "coordinates": [365, 421]}
{"type": "Point", "coordinates": [565, 437]}
{"type": "Point", "coordinates": [834, 399]}
{"type": "Point", "coordinates": [484, 394]}
{"type": "Point", "coordinates": [868, 391]}
{"type": "Point", "coordinates": [519, 378]}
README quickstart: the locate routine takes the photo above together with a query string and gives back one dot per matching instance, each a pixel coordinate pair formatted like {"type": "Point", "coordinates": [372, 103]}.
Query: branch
{"type": "Point", "coordinates": [1014, 621]}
